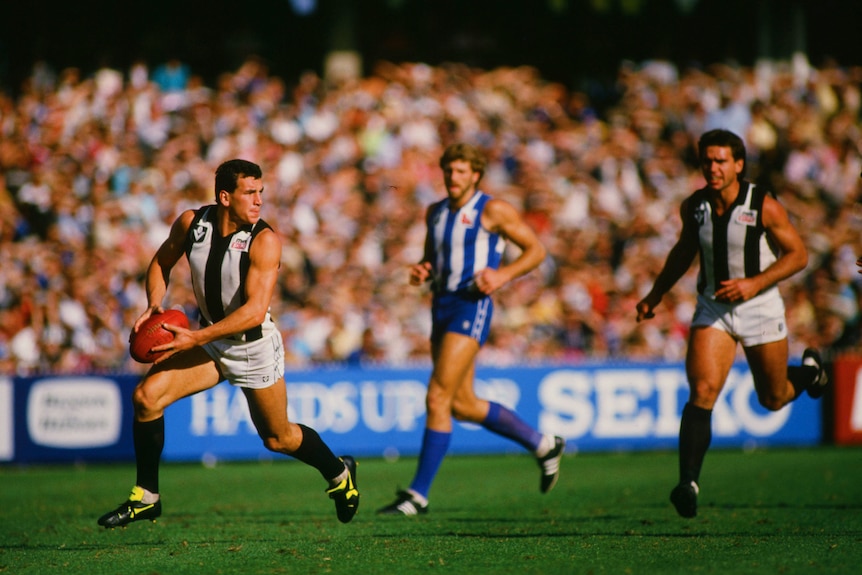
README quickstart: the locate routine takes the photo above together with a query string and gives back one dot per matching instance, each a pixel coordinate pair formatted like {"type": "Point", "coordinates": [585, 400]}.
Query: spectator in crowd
{"type": "Point", "coordinates": [94, 168]}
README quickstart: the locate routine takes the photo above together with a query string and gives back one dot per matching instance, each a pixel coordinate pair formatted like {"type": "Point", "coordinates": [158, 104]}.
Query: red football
{"type": "Point", "coordinates": [151, 334]}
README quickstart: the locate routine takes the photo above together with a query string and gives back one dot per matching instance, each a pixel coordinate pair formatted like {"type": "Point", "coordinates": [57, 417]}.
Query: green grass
{"type": "Point", "coordinates": [771, 512]}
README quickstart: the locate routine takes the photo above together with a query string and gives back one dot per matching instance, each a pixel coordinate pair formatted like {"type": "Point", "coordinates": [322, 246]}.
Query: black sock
{"type": "Point", "coordinates": [801, 376]}
{"type": "Point", "coordinates": [149, 438]}
{"type": "Point", "coordinates": [314, 452]}
{"type": "Point", "coordinates": [695, 434]}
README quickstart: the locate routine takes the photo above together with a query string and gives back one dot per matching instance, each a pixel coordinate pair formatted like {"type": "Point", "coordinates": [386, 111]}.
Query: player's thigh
{"type": "Point", "coordinates": [464, 392]}
{"type": "Point", "coordinates": [711, 353]}
{"type": "Point", "coordinates": [768, 364]}
{"type": "Point", "coordinates": [454, 357]}
{"type": "Point", "coordinates": [177, 377]}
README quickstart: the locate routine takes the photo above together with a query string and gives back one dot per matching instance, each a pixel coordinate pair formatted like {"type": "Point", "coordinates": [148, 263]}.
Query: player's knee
{"type": "Point", "coordinates": [460, 414]}
{"type": "Point", "coordinates": [704, 393]}
{"type": "Point", "coordinates": [278, 444]}
{"type": "Point", "coordinates": [286, 442]}
{"type": "Point", "coordinates": [273, 444]}
{"type": "Point", "coordinates": [771, 401]}
{"type": "Point", "coordinates": [465, 411]}
{"type": "Point", "coordinates": [437, 401]}
{"type": "Point", "coordinates": [145, 403]}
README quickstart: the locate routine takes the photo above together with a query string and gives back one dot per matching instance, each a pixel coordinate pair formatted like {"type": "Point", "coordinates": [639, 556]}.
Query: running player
{"type": "Point", "coordinates": [234, 259]}
{"type": "Point", "coordinates": [747, 245]}
{"type": "Point", "coordinates": [466, 234]}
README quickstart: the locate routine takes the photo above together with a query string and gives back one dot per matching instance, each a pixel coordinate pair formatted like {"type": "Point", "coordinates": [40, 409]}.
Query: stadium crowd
{"type": "Point", "coordinates": [94, 168]}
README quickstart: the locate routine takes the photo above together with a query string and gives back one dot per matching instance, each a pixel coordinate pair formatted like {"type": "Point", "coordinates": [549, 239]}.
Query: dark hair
{"type": "Point", "coordinates": [724, 139]}
{"type": "Point", "coordinates": [467, 153]}
{"type": "Point", "coordinates": [230, 171]}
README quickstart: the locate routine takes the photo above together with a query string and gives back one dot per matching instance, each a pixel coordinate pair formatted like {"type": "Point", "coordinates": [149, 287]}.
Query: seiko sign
{"type": "Point", "coordinates": [630, 403]}
{"type": "Point", "coordinates": [79, 412]}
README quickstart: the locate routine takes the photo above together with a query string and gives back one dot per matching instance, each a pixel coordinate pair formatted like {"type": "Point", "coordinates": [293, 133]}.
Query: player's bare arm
{"type": "Point", "coordinates": [679, 259]}
{"type": "Point", "coordinates": [421, 272]}
{"type": "Point", "coordinates": [793, 256]}
{"type": "Point", "coordinates": [165, 258]}
{"type": "Point", "coordinates": [502, 218]}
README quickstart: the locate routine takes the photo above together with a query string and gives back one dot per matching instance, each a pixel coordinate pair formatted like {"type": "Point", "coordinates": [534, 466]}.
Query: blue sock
{"type": "Point", "coordinates": [435, 444]}
{"type": "Point", "coordinates": [503, 421]}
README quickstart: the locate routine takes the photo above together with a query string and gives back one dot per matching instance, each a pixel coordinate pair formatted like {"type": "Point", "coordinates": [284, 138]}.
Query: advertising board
{"type": "Point", "coordinates": [381, 412]}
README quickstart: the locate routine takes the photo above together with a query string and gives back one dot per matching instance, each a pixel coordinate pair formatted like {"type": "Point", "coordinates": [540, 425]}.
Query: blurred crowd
{"type": "Point", "coordinates": [93, 170]}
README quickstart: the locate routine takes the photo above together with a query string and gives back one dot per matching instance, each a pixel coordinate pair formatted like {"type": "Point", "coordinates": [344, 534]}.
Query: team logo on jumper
{"type": "Point", "coordinates": [468, 218]}
{"type": "Point", "coordinates": [747, 217]}
{"type": "Point", "coordinates": [199, 233]}
{"type": "Point", "coordinates": [700, 215]}
{"type": "Point", "coordinates": [240, 243]}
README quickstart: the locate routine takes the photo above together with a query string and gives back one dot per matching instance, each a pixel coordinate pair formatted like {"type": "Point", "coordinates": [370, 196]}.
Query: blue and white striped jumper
{"type": "Point", "coordinates": [460, 248]}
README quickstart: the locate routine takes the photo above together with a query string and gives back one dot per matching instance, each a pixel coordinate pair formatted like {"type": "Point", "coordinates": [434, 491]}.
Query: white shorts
{"type": "Point", "coordinates": [754, 322]}
{"type": "Point", "coordinates": [256, 364]}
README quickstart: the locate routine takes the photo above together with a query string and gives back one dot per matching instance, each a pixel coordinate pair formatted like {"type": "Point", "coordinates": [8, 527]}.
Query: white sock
{"type": "Point", "coordinates": [336, 480]}
{"type": "Point", "coordinates": [547, 444]}
{"type": "Point", "coordinates": [416, 497]}
{"type": "Point", "coordinates": [149, 497]}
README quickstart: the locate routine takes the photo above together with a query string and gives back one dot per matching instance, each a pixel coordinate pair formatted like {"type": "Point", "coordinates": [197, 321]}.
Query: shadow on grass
{"type": "Point", "coordinates": [84, 546]}
{"type": "Point", "coordinates": [819, 506]}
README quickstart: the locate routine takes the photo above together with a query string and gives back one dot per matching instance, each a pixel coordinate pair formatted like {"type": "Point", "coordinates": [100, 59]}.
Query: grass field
{"type": "Point", "coordinates": [771, 512]}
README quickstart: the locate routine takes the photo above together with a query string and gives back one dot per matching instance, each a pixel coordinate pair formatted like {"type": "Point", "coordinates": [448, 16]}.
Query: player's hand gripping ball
{"type": "Point", "coordinates": [152, 334]}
